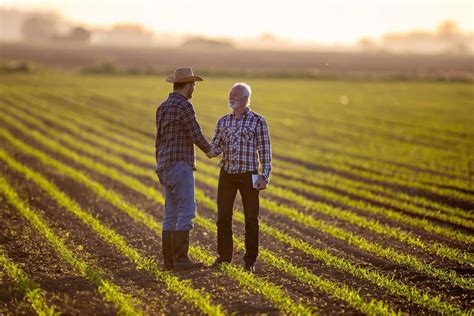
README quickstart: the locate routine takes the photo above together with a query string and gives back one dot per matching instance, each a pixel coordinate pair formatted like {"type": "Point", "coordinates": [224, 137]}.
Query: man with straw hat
{"type": "Point", "coordinates": [177, 130]}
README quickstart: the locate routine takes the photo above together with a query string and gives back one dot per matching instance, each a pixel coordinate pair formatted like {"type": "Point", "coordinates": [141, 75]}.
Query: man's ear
{"type": "Point", "coordinates": [245, 99]}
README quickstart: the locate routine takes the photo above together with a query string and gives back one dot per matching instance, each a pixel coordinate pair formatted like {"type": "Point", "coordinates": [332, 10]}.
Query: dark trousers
{"type": "Point", "coordinates": [227, 189]}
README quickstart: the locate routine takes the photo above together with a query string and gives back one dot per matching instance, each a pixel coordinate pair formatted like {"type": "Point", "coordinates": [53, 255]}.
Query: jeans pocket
{"type": "Point", "coordinates": [185, 167]}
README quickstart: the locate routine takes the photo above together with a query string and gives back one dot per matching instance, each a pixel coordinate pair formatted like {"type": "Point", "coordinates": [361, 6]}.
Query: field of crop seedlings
{"type": "Point", "coordinates": [369, 209]}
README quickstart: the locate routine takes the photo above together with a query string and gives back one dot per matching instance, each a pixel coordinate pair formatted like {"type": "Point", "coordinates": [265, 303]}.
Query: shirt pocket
{"type": "Point", "coordinates": [247, 134]}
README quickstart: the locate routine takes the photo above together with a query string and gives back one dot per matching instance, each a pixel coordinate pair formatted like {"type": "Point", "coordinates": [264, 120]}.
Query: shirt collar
{"type": "Point", "coordinates": [177, 95]}
{"type": "Point", "coordinates": [247, 111]}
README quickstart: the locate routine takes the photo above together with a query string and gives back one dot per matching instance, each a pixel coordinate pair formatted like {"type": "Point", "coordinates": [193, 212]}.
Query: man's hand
{"type": "Point", "coordinates": [261, 184]}
{"type": "Point", "coordinates": [211, 153]}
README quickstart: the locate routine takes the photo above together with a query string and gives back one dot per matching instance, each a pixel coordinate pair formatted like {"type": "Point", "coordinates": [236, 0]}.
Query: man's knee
{"type": "Point", "coordinates": [251, 221]}
{"type": "Point", "coordinates": [224, 222]}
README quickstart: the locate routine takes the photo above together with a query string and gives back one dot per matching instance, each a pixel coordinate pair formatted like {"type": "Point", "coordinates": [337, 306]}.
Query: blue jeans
{"type": "Point", "coordinates": [180, 205]}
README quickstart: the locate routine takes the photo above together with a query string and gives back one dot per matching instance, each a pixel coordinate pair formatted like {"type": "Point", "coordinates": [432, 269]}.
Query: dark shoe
{"type": "Point", "coordinates": [249, 267]}
{"type": "Point", "coordinates": [167, 249]}
{"type": "Point", "coordinates": [180, 252]}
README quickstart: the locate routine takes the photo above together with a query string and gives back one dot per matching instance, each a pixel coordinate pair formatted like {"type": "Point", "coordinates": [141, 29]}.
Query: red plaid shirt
{"type": "Point", "coordinates": [176, 131]}
{"type": "Point", "coordinates": [244, 142]}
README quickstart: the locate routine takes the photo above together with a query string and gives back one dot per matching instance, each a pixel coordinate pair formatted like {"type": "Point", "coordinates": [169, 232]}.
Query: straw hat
{"type": "Point", "coordinates": [183, 75]}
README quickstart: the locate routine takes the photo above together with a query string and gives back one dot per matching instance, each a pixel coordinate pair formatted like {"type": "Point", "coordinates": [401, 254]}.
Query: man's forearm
{"type": "Point", "coordinates": [203, 144]}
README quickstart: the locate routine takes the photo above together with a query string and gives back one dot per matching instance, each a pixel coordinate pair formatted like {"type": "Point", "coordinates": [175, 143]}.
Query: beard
{"type": "Point", "coordinates": [233, 104]}
{"type": "Point", "coordinates": [189, 93]}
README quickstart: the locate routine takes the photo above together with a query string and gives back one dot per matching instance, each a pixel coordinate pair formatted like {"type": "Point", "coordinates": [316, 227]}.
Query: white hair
{"type": "Point", "coordinates": [247, 91]}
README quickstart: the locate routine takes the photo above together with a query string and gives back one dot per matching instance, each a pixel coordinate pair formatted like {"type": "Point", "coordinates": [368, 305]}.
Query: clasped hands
{"type": "Point", "coordinates": [212, 153]}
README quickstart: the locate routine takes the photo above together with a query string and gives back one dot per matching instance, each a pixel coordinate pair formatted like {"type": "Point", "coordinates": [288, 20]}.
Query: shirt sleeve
{"type": "Point", "coordinates": [193, 129]}
{"type": "Point", "coordinates": [264, 149]}
{"type": "Point", "coordinates": [216, 142]}
{"type": "Point", "coordinates": [157, 136]}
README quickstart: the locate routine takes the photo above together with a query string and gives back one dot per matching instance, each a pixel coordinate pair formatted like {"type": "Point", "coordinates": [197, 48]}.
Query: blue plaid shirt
{"type": "Point", "coordinates": [243, 142]}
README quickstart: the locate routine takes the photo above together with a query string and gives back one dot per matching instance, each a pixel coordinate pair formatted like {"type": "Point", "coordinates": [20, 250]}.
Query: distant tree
{"type": "Point", "coordinates": [367, 44]}
{"type": "Point", "coordinates": [39, 27]}
{"type": "Point", "coordinates": [448, 29]}
{"type": "Point", "coordinates": [267, 37]}
{"type": "Point", "coordinates": [79, 34]}
{"type": "Point", "coordinates": [456, 42]}
{"type": "Point", "coordinates": [132, 28]}
{"type": "Point", "coordinates": [129, 34]}
{"type": "Point", "coordinates": [202, 42]}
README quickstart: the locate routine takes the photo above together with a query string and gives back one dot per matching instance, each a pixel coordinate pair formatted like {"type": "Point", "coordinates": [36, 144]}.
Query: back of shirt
{"type": "Point", "coordinates": [176, 131]}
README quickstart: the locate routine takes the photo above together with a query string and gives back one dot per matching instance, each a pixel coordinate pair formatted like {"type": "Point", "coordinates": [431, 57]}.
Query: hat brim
{"type": "Point", "coordinates": [172, 79]}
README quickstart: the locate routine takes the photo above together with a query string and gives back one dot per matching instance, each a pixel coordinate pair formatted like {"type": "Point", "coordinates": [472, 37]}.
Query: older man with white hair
{"type": "Point", "coordinates": [243, 138]}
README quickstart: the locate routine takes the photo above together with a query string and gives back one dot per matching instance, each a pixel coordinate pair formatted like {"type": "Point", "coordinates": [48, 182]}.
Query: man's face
{"type": "Point", "coordinates": [190, 89]}
{"type": "Point", "coordinates": [236, 100]}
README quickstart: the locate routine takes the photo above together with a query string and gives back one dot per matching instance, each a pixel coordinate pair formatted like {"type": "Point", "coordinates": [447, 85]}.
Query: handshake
{"type": "Point", "coordinates": [213, 152]}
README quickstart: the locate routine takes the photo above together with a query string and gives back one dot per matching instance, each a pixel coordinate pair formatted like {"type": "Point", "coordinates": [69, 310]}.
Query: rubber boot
{"type": "Point", "coordinates": [180, 251]}
{"type": "Point", "coordinates": [167, 248]}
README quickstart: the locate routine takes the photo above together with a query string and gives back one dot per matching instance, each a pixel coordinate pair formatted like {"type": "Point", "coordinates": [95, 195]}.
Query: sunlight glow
{"type": "Point", "coordinates": [340, 21]}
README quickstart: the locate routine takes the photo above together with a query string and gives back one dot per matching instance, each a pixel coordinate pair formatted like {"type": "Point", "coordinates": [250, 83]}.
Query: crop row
{"type": "Point", "coordinates": [149, 190]}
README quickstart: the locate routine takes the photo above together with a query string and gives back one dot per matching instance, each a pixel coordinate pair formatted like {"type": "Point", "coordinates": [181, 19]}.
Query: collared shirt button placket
{"type": "Point", "coordinates": [233, 154]}
{"type": "Point", "coordinates": [234, 142]}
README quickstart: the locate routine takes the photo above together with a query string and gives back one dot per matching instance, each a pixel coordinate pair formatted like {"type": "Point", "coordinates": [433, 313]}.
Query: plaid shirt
{"type": "Point", "coordinates": [244, 142]}
{"type": "Point", "coordinates": [176, 131]}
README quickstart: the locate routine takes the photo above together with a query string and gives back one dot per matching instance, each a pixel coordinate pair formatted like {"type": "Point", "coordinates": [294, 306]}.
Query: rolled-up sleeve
{"type": "Point", "coordinates": [264, 149]}
{"type": "Point", "coordinates": [193, 129]}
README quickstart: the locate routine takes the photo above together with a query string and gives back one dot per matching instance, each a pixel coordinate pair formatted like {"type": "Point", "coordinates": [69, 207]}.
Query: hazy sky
{"type": "Point", "coordinates": [343, 21]}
